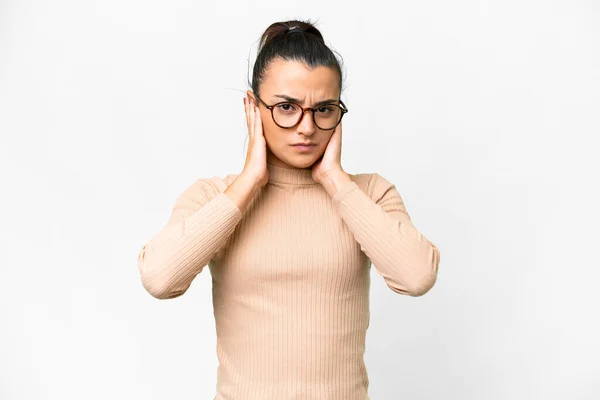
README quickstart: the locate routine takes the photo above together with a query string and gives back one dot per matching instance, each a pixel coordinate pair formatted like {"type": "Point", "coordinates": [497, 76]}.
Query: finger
{"type": "Point", "coordinates": [257, 121]}
{"type": "Point", "coordinates": [246, 111]}
{"type": "Point", "coordinates": [252, 118]}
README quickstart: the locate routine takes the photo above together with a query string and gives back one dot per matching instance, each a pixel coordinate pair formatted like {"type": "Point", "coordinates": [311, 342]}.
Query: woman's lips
{"type": "Point", "coordinates": [304, 148]}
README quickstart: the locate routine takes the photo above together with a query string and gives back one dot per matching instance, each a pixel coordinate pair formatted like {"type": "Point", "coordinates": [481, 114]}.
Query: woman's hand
{"type": "Point", "coordinates": [330, 163]}
{"type": "Point", "coordinates": [256, 157]}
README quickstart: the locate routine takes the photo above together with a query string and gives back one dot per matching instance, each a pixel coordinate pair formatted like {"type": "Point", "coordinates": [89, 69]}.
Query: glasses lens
{"type": "Point", "coordinates": [328, 116]}
{"type": "Point", "coordinates": [288, 114]}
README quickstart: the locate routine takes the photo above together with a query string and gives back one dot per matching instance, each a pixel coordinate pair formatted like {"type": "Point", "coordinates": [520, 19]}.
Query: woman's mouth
{"type": "Point", "coordinates": [304, 147]}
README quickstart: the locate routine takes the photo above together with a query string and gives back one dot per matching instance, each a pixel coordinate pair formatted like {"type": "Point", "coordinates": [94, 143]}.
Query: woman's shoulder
{"type": "Point", "coordinates": [211, 185]}
{"type": "Point", "coordinates": [202, 189]}
{"type": "Point", "coordinates": [373, 184]}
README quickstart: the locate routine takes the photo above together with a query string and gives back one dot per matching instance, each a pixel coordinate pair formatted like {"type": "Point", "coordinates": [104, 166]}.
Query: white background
{"type": "Point", "coordinates": [483, 113]}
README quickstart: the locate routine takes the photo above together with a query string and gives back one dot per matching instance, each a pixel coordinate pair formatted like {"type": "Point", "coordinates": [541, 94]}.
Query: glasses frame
{"type": "Point", "coordinates": [342, 106]}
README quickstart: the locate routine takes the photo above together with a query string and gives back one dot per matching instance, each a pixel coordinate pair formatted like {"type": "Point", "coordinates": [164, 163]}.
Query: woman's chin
{"type": "Point", "coordinates": [300, 162]}
{"type": "Point", "coordinates": [303, 161]}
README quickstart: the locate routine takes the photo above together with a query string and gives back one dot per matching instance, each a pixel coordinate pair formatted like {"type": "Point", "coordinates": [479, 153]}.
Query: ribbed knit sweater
{"type": "Point", "coordinates": [290, 277]}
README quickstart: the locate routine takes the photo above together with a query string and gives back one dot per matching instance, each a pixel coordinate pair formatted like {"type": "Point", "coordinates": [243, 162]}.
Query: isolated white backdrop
{"type": "Point", "coordinates": [483, 113]}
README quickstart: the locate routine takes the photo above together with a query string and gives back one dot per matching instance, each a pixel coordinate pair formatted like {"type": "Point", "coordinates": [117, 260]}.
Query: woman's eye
{"type": "Point", "coordinates": [286, 107]}
{"type": "Point", "coordinates": [324, 110]}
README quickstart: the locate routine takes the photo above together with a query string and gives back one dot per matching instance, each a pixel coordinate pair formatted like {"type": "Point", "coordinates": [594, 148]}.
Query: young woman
{"type": "Point", "coordinates": [291, 239]}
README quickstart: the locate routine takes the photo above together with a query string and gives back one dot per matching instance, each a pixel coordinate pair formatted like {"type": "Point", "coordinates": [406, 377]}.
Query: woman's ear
{"type": "Point", "coordinates": [251, 95]}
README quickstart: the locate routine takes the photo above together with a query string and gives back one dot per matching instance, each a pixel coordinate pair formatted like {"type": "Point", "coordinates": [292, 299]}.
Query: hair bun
{"type": "Point", "coordinates": [278, 29]}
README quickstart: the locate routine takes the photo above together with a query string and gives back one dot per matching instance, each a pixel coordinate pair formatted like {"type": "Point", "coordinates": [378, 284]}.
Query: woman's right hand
{"type": "Point", "coordinates": [255, 166]}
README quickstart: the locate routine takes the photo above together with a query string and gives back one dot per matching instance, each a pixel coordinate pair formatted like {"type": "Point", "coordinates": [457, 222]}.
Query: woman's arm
{"type": "Point", "coordinates": [405, 258]}
{"type": "Point", "coordinates": [202, 220]}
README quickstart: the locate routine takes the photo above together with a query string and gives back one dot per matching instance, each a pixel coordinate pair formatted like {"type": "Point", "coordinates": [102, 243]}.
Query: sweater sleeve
{"type": "Point", "coordinates": [405, 258]}
{"type": "Point", "coordinates": [201, 221]}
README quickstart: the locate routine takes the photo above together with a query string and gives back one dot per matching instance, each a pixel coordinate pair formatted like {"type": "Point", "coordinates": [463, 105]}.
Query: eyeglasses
{"type": "Point", "coordinates": [287, 114]}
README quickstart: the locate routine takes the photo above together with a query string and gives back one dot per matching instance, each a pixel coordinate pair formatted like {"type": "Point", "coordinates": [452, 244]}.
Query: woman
{"type": "Point", "coordinates": [291, 239]}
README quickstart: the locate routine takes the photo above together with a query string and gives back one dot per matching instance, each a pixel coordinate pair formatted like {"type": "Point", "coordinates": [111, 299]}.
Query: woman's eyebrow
{"type": "Point", "coordinates": [288, 98]}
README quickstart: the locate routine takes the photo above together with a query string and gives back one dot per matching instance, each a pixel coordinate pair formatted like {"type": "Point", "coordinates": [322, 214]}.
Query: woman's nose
{"type": "Point", "coordinates": [307, 125]}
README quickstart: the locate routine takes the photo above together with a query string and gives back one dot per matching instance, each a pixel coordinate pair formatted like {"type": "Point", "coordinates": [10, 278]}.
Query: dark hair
{"type": "Point", "coordinates": [293, 40]}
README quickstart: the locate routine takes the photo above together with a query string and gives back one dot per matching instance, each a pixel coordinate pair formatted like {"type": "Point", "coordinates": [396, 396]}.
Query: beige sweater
{"type": "Point", "coordinates": [290, 278]}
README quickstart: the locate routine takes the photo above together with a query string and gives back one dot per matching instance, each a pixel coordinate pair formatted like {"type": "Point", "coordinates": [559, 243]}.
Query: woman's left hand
{"type": "Point", "coordinates": [330, 163]}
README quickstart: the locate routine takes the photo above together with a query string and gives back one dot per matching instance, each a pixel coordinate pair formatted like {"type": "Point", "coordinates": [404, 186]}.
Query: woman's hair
{"type": "Point", "coordinates": [293, 40]}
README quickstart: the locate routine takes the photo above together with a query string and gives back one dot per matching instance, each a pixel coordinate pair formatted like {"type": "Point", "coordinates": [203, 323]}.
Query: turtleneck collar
{"type": "Point", "coordinates": [290, 176]}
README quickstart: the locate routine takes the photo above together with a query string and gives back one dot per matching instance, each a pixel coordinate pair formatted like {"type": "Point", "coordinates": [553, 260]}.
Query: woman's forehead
{"type": "Point", "coordinates": [296, 79]}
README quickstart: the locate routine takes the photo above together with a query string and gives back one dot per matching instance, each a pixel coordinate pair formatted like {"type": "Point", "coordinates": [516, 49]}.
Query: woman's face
{"type": "Point", "coordinates": [295, 80]}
